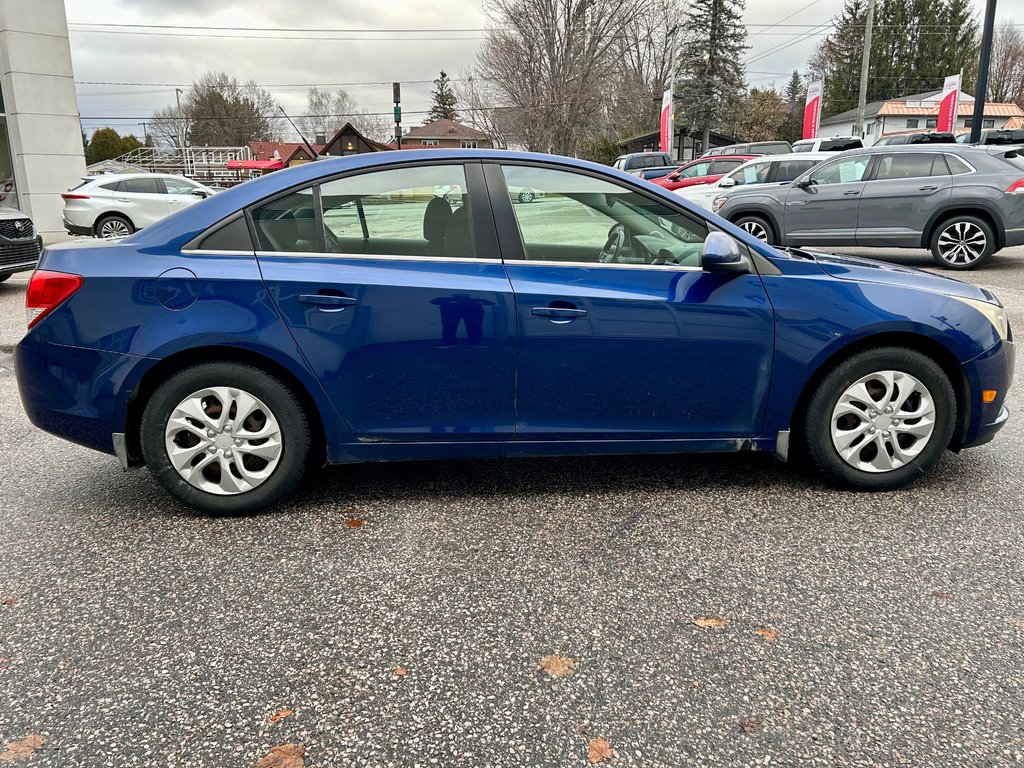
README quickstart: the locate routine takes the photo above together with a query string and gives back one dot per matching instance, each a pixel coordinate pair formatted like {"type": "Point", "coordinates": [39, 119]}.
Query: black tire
{"type": "Point", "coordinates": [756, 225]}
{"type": "Point", "coordinates": [116, 220]}
{"type": "Point", "coordinates": [527, 196]}
{"type": "Point", "coordinates": [817, 426]}
{"type": "Point", "coordinates": [945, 235]}
{"type": "Point", "coordinates": [278, 398]}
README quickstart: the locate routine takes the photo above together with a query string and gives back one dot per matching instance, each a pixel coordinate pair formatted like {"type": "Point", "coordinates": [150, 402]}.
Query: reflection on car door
{"type": "Point", "coordinates": [637, 343]}
{"type": "Point", "coordinates": [398, 299]}
{"type": "Point", "coordinates": [825, 212]}
{"type": "Point", "coordinates": [142, 200]}
{"type": "Point", "coordinates": [904, 190]}
{"type": "Point", "coordinates": [180, 194]}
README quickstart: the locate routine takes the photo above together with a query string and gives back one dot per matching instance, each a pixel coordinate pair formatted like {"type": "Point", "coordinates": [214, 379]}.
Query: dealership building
{"type": "Point", "coordinates": [41, 152]}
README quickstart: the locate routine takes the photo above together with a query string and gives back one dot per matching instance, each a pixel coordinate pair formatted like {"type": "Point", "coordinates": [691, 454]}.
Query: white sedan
{"type": "Point", "coordinates": [770, 169]}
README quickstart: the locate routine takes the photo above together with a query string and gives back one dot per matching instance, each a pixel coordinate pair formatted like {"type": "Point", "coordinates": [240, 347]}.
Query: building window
{"type": "Point", "coordinates": [871, 128]}
{"type": "Point", "coordinates": [469, 144]}
{"type": "Point", "coordinates": [429, 143]}
{"type": "Point", "coordinates": [912, 122]}
{"type": "Point", "coordinates": [969, 123]}
{"type": "Point", "coordinates": [931, 122]}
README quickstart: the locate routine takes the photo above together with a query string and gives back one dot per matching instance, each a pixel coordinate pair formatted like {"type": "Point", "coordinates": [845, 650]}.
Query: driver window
{"type": "Point", "coordinates": [582, 219]}
{"type": "Point", "coordinates": [845, 171]}
{"type": "Point", "coordinates": [700, 169]}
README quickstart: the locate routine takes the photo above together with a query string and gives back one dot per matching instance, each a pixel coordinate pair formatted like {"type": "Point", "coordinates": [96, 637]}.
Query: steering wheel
{"type": "Point", "coordinates": [615, 244]}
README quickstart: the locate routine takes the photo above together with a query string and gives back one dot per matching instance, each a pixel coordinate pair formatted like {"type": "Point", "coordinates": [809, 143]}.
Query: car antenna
{"type": "Point", "coordinates": [316, 155]}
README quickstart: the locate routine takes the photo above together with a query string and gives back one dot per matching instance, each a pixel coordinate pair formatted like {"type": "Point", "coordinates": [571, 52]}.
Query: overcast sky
{"type": "Point", "coordinates": [364, 65]}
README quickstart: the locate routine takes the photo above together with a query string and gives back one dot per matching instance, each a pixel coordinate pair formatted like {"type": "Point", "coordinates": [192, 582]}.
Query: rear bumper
{"type": "Point", "coordinates": [78, 394]}
{"type": "Point", "coordinates": [76, 229]}
{"type": "Point", "coordinates": [992, 370]}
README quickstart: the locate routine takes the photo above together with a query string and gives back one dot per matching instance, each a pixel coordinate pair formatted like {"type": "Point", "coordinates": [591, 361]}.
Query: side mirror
{"type": "Point", "coordinates": [728, 181]}
{"type": "Point", "coordinates": [673, 176]}
{"type": "Point", "coordinates": [804, 183]}
{"type": "Point", "coordinates": [200, 193]}
{"type": "Point", "coordinates": [722, 253]}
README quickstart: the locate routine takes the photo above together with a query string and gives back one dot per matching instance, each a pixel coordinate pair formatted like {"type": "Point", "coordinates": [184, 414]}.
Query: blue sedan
{"type": "Point", "coordinates": [398, 305]}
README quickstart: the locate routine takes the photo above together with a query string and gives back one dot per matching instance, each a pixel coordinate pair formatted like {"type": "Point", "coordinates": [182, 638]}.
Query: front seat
{"type": "Point", "coordinates": [458, 239]}
{"type": "Point", "coordinates": [435, 224]}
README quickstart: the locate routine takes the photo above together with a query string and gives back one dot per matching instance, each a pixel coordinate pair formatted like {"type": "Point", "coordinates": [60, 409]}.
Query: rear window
{"type": "Point", "coordinates": [803, 146]}
{"type": "Point", "coordinates": [111, 186]}
{"type": "Point", "coordinates": [1003, 137]}
{"type": "Point", "coordinates": [724, 166]}
{"type": "Point", "coordinates": [840, 145]}
{"type": "Point", "coordinates": [771, 147]}
{"type": "Point", "coordinates": [1014, 159]}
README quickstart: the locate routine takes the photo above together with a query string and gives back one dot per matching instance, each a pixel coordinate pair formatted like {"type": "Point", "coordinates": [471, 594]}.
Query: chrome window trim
{"type": "Point", "coordinates": [213, 252]}
{"type": "Point", "coordinates": [603, 265]}
{"type": "Point", "coordinates": [962, 160]}
{"type": "Point", "coordinates": [380, 256]}
{"type": "Point", "coordinates": [459, 260]}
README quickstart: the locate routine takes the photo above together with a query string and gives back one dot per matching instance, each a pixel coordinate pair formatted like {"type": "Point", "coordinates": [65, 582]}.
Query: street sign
{"type": "Point", "coordinates": [396, 89]}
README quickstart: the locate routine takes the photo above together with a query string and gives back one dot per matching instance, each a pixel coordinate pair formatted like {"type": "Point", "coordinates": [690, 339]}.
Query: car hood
{"type": "Point", "coordinates": [870, 271]}
{"type": "Point", "coordinates": [6, 212]}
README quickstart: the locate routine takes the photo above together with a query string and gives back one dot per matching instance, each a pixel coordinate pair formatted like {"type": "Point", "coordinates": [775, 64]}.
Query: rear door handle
{"type": "Point", "coordinates": [928, 187]}
{"type": "Point", "coordinates": [328, 302]}
{"type": "Point", "coordinates": [123, 200]}
{"type": "Point", "coordinates": [849, 192]}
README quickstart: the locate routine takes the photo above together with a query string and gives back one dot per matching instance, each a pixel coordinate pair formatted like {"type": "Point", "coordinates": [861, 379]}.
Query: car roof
{"type": "Point", "coordinates": [141, 175]}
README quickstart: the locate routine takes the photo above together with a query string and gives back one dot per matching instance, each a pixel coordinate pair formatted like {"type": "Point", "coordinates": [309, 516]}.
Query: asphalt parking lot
{"type": "Point", "coordinates": [134, 632]}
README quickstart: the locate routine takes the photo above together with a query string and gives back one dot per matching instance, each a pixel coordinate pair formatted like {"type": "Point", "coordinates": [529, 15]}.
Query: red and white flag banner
{"type": "Point", "coordinates": [812, 109]}
{"type": "Point", "coordinates": [666, 121]}
{"type": "Point", "coordinates": [949, 105]}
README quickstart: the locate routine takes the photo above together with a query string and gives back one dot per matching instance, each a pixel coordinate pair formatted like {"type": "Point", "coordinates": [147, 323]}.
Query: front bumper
{"type": "Point", "coordinates": [19, 255]}
{"type": "Point", "coordinates": [991, 370]}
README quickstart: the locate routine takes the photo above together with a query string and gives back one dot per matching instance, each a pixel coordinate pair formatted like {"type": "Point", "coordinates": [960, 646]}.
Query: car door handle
{"type": "Point", "coordinates": [849, 192]}
{"type": "Point", "coordinates": [123, 200]}
{"type": "Point", "coordinates": [174, 202]}
{"type": "Point", "coordinates": [563, 312]}
{"type": "Point", "coordinates": [928, 187]}
{"type": "Point", "coordinates": [328, 302]}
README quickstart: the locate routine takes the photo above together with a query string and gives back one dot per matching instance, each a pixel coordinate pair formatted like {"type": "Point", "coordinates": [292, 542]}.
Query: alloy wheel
{"type": "Point", "coordinates": [883, 421]}
{"type": "Point", "coordinates": [526, 196]}
{"type": "Point", "coordinates": [223, 440]}
{"type": "Point", "coordinates": [755, 228]}
{"type": "Point", "coordinates": [962, 242]}
{"type": "Point", "coordinates": [112, 229]}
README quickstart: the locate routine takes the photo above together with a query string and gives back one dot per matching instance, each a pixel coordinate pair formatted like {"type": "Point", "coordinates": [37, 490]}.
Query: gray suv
{"type": "Point", "coordinates": [963, 203]}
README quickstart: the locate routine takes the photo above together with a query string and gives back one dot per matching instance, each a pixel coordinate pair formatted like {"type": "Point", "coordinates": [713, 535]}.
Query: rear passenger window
{"type": "Point", "coordinates": [724, 166]}
{"type": "Point", "coordinates": [417, 211]}
{"type": "Point", "coordinates": [288, 224]}
{"type": "Point", "coordinates": [141, 186]}
{"type": "Point", "coordinates": [906, 165]}
{"type": "Point", "coordinates": [787, 170]}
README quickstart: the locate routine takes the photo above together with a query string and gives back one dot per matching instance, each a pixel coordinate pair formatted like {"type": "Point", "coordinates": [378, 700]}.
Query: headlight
{"type": "Point", "coordinates": [718, 203]}
{"type": "Point", "coordinates": [995, 314]}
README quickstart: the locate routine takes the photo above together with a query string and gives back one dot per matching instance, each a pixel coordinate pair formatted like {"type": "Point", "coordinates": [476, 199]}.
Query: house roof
{"type": "Point", "coordinates": [264, 150]}
{"type": "Point", "coordinates": [445, 129]}
{"type": "Point", "coordinates": [899, 107]}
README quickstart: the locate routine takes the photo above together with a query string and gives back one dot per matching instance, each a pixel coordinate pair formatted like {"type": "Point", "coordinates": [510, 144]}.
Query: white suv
{"type": "Point", "coordinates": [115, 205]}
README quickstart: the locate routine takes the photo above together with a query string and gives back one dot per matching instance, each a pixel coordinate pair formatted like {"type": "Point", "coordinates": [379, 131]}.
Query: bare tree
{"type": "Point", "coordinates": [328, 111]}
{"type": "Point", "coordinates": [478, 97]}
{"type": "Point", "coordinates": [553, 61]}
{"type": "Point", "coordinates": [170, 127]}
{"type": "Point", "coordinates": [1006, 72]}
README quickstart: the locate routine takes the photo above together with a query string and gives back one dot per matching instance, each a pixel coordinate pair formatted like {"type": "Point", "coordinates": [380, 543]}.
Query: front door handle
{"type": "Point", "coordinates": [328, 302]}
{"type": "Point", "coordinates": [849, 192]}
{"type": "Point", "coordinates": [559, 314]}
{"type": "Point", "coordinates": [928, 187]}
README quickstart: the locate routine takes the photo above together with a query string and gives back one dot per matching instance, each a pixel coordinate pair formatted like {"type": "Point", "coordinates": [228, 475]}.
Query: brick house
{"type": "Point", "coordinates": [274, 155]}
{"type": "Point", "coordinates": [445, 133]}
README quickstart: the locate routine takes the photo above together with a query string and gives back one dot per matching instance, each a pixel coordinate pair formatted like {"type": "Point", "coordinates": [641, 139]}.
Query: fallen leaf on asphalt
{"type": "Point", "coordinates": [401, 672]}
{"type": "Point", "coordinates": [751, 723]}
{"type": "Point", "coordinates": [16, 750]}
{"type": "Point", "coordinates": [280, 715]}
{"type": "Point", "coordinates": [943, 596]}
{"type": "Point", "coordinates": [598, 750]}
{"type": "Point", "coordinates": [767, 633]}
{"type": "Point", "coordinates": [1018, 623]}
{"type": "Point", "coordinates": [283, 756]}
{"type": "Point", "coordinates": [354, 522]}
{"type": "Point", "coordinates": [583, 729]}
{"type": "Point", "coordinates": [696, 683]}
{"type": "Point", "coordinates": [557, 666]}
{"type": "Point", "coordinates": [710, 622]}
{"type": "Point", "coordinates": [9, 600]}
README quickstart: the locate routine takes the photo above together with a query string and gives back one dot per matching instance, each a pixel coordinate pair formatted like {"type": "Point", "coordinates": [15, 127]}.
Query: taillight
{"type": "Point", "coordinates": [47, 291]}
{"type": "Point", "coordinates": [1017, 188]}
{"type": "Point", "coordinates": [69, 196]}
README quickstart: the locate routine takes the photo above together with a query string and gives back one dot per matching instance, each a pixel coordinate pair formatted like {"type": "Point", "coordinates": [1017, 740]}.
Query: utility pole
{"type": "Point", "coordinates": [396, 92]}
{"type": "Point", "coordinates": [982, 86]}
{"type": "Point", "coordinates": [864, 63]}
{"type": "Point", "coordinates": [180, 121]}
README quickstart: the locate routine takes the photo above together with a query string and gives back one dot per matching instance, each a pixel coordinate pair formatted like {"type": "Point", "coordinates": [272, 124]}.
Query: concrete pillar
{"type": "Point", "coordinates": [42, 112]}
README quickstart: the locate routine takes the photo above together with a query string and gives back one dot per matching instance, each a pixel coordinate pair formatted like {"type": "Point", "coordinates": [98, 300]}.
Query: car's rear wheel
{"type": "Point", "coordinates": [112, 227]}
{"type": "Point", "coordinates": [225, 438]}
{"type": "Point", "coordinates": [963, 242]}
{"type": "Point", "coordinates": [880, 419]}
{"type": "Point", "coordinates": [757, 226]}
{"type": "Point", "coordinates": [526, 196]}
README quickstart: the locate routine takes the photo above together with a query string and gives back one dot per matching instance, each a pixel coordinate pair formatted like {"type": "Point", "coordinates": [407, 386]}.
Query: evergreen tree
{"type": "Point", "coordinates": [711, 74]}
{"type": "Point", "coordinates": [107, 144]}
{"type": "Point", "coordinates": [444, 103]}
{"type": "Point", "coordinates": [794, 95]}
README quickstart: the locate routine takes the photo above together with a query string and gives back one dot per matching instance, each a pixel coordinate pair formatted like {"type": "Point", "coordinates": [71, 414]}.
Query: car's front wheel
{"type": "Point", "coordinates": [225, 438]}
{"type": "Point", "coordinates": [963, 242]}
{"type": "Point", "coordinates": [527, 196]}
{"type": "Point", "coordinates": [757, 226]}
{"type": "Point", "coordinates": [880, 419]}
{"type": "Point", "coordinates": [113, 227]}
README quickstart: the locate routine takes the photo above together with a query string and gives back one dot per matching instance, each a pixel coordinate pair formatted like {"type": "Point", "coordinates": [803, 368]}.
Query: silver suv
{"type": "Point", "coordinates": [963, 203]}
